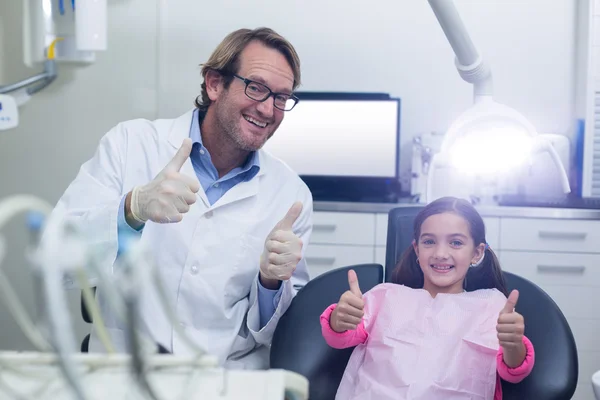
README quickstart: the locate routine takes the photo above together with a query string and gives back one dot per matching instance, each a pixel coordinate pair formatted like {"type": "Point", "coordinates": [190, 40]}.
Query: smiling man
{"type": "Point", "coordinates": [226, 223]}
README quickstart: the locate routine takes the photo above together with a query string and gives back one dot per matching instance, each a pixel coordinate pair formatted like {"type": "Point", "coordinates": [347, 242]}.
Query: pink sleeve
{"type": "Point", "coordinates": [516, 375]}
{"type": "Point", "coordinates": [345, 339]}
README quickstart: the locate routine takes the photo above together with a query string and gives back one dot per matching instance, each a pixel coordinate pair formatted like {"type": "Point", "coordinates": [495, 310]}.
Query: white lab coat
{"type": "Point", "coordinates": [210, 261]}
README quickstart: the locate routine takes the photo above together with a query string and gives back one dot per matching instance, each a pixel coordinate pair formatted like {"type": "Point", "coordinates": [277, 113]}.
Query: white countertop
{"type": "Point", "coordinates": [485, 211]}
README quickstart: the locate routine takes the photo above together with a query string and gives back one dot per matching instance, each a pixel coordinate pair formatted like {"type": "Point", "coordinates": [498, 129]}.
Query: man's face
{"type": "Point", "coordinates": [249, 123]}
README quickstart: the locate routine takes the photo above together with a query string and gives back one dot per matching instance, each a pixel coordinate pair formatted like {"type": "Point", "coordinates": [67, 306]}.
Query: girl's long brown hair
{"type": "Point", "coordinates": [485, 276]}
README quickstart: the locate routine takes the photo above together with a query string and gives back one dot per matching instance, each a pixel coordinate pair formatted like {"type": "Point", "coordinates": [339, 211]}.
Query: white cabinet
{"type": "Point", "coordinates": [562, 256]}
{"type": "Point", "coordinates": [340, 239]}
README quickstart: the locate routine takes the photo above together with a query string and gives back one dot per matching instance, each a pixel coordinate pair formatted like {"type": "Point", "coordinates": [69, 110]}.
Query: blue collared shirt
{"type": "Point", "coordinates": [215, 188]}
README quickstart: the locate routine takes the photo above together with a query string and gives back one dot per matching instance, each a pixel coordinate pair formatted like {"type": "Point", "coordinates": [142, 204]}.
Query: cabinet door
{"type": "Point", "coordinates": [322, 258]}
{"type": "Point", "coordinates": [343, 228]}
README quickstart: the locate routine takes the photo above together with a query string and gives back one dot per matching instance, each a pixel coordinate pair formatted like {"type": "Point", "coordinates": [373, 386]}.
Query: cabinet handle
{"type": "Point", "coordinates": [568, 269]}
{"type": "Point", "coordinates": [324, 228]}
{"type": "Point", "coordinates": [320, 260]}
{"type": "Point", "coordinates": [562, 235]}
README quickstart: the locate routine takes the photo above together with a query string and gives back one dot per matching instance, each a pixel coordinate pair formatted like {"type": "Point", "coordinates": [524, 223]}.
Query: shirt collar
{"type": "Point", "coordinates": [196, 136]}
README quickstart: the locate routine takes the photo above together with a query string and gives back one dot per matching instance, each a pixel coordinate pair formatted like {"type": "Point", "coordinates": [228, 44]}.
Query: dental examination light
{"type": "Point", "coordinates": [489, 142]}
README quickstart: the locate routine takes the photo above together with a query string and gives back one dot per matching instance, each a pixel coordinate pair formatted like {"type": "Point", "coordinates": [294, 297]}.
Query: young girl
{"type": "Point", "coordinates": [444, 329]}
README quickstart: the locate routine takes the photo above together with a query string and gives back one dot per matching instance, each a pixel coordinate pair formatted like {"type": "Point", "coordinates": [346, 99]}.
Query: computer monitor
{"type": "Point", "coordinates": [343, 145]}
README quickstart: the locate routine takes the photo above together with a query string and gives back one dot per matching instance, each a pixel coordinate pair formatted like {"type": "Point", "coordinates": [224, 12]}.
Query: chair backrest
{"type": "Point", "coordinates": [556, 370]}
{"type": "Point", "coordinates": [399, 235]}
{"type": "Point", "coordinates": [298, 344]}
{"type": "Point", "coordinates": [556, 365]}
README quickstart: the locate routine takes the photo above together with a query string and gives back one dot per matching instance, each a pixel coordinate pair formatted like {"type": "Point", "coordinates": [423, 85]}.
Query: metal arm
{"type": "Point", "coordinates": [40, 81]}
{"type": "Point", "coordinates": [471, 67]}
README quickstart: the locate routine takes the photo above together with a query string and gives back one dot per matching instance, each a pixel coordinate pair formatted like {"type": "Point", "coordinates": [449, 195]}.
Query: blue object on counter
{"type": "Point", "coordinates": [579, 144]}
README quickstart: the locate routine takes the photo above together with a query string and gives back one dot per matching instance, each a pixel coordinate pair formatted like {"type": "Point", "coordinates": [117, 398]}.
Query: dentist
{"type": "Point", "coordinates": [227, 223]}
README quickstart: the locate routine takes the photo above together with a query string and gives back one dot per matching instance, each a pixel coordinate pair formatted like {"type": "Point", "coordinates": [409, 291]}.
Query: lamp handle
{"type": "Point", "coordinates": [543, 145]}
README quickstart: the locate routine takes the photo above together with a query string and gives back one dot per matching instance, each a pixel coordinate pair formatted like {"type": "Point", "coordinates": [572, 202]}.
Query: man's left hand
{"type": "Point", "coordinates": [283, 250]}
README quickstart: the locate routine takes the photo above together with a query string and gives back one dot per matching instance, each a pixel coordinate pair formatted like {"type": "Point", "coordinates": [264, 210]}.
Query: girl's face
{"type": "Point", "coordinates": [445, 250]}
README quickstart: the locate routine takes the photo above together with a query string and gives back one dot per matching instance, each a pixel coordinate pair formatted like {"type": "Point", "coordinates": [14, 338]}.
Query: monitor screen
{"type": "Point", "coordinates": [340, 137]}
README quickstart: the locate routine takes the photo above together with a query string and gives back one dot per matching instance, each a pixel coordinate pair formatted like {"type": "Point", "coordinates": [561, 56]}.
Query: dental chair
{"type": "Point", "coordinates": [298, 345]}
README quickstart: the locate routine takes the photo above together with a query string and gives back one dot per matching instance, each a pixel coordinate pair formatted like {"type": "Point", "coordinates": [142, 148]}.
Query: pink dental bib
{"type": "Point", "coordinates": [424, 348]}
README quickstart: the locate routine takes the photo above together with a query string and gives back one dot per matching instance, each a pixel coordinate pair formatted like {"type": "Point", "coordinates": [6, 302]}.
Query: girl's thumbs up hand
{"type": "Point", "coordinates": [349, 311]}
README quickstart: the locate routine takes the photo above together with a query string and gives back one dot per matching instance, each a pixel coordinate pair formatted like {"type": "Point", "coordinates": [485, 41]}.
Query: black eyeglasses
{"type": "Point", "coordinates": [259, 92]}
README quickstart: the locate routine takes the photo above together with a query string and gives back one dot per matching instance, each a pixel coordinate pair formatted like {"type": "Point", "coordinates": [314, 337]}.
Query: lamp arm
{"type": "Point", "coordinates": [469, 63]}
{"type": "Point", "coordinates": [542, 146]}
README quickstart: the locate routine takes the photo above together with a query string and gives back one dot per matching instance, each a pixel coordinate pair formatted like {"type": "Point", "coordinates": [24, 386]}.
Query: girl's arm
{"type": "Point", "coordinates": [345, 339]}
{"type": "Point", "coordinates": [516, 375]}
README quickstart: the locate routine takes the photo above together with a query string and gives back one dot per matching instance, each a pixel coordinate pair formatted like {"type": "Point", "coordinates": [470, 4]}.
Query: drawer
{"type": "Point", "coordinates": [343, 228]}
{"type": "Point", "coordinates": [564, 269]}
{"type": "Point", "coordinates": [573, 236]}
{"type": "Point", "coordinates": [381, 225]}
{"type": "Point", "coordinates": [322, 258]}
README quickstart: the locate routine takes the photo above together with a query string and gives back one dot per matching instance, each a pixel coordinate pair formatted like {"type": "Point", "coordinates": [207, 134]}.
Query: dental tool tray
{"type": "Point", "coordinates": [549, 202]}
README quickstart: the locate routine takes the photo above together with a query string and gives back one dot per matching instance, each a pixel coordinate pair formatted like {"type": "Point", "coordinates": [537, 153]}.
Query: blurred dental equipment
{"type": "Point", "coordinates": [16, 94]}
{"type": "Point", "coordinates": [490, 144]}
{"type": "Point", "coordinates": [58, 370]}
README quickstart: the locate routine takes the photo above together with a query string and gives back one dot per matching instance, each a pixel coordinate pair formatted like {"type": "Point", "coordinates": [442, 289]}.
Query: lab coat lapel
{"type": "Point", "coordinates": [179, 131]}
{"type": "Point", "coordinates": [244, 190]}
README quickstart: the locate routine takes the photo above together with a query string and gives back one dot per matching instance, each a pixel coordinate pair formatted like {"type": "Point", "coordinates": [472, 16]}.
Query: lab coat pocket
{"type": "Point", "coordinates": [244, 270]}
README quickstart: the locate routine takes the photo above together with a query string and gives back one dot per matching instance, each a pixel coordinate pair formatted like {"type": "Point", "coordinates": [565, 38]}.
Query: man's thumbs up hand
{"type": "Point", "coordinates": [168, 196]}
{"type": "Point", "coordinates": [283, 250]}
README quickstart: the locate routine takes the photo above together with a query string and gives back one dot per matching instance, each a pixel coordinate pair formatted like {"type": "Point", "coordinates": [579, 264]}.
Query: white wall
{"type": "Point", "coordinates": [60, 127]}
{"type": "Point", "coordinates": [393, 46]}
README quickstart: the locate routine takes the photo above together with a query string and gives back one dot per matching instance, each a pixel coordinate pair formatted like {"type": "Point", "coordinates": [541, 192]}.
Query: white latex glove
{"type": "Point", "coordinates": [283, 249]}
{"type": "Point", "coordinates": [168, 196]}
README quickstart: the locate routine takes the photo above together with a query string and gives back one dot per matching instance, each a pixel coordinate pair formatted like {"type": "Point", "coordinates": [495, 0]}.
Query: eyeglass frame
{"type": "Point", "coordinates": [269, 95]}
